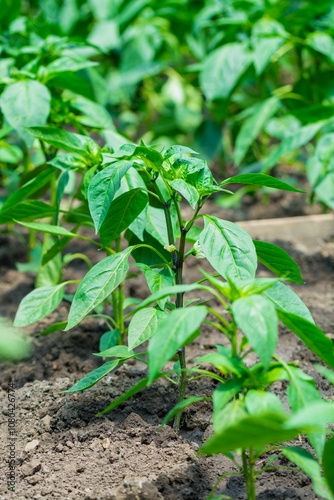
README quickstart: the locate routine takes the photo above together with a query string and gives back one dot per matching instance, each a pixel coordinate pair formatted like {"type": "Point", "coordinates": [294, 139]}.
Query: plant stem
{"type": "Point", "coordinates": [118, 300]}
{"type": "Point", "coordinates": [179, 303]}
{"type": "Point", "coordinates": [251, 475]}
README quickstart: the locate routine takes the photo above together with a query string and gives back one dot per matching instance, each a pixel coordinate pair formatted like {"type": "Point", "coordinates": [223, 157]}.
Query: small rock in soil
{"type": "Point", "coordinates": [32, 445]}
{"type": "Point", "coordinates": [29, 468]}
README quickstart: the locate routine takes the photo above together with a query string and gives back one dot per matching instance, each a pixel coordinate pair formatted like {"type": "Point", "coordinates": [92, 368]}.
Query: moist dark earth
{"type": "Point", "coordinates": [64, 451]}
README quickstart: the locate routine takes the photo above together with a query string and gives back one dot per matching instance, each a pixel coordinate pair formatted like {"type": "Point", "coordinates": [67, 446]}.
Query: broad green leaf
{"type": "Point", "coordinates": [175, 331]}
{"type": "Point", "coordinates": [180, 406]}
{"type": "Point", "coordinates": [317, 414]}
{"type": "Point", "coordinates": [325, 190]}
{"type": "Point", "coordinates": [24, 104]}
{"type": "Point", "coordinates": [62, 139]}
{"type": "Point", "coordinates": [260, 180]}
{"type": "Point", "coordinates": [252, 126]}
{"type": "Point", "coordinates": [293, 141]}
{"type": "Point", "coordinates": [109, 339]}
{"type": "Point", "coordinates": [27, 210]}
{"type": "Point", "coordinates": [322, 161]}
{"type": "Point", "coordinates": [66, 63]}
{"type": "Point", "coordinates": [284, 299]}
{"type": "Point", "coordinates": [38, 304]}
{"type": "Point", "coordinates": [228, 248]}
{"type": "Point", "coordinates": [328, 463]}
{"type": "Point", "coordinates": [97, 285]}
{"type": "Point", "coordinates": [230, 415]}
{"type": "Point", "coordinates": [311, 467]}
{"type": "Point", "coordinates": [157, 279]}
{"type": "Point", "coordinates": [258, 402]}
{"type": "Point", "coordinates": [93, 114]}
{"type": "Point", "coordinates": [156, 225]}
{"type": "Point", "coordinates": [257, 319]}
{"type": "Point", "coordinates": [268, 36]}
{"type": "Point", "coordinates": [94, 376]}
{"type": "Point", "coordinates": [105, 35]}
{"type": "Point", "coordinates": [102, 190]}
{"type": "Point", "coordinates": [186, 190]}
{"type": "Point", "coordinates": [122, 212]}
{"type": "Point", "coordinates": [225, 392]}
{"type": "Point", "coordinates": [179, 150]}
{"type": "Point", "coordinates": [48, 228]}
{"type": "Point", "coordinates": [117, 351]}
{"type": "Point", "coordinates": [311, 335]}
{"type": "Point", "coordinates": [143, 325]}
{"type": "Point", "coordinates": [222, 70]}
{"type": "Point", "coordinates": [253, 431]}
{"type": "Point", "coordinates": [223, 363]}
{"type": "Point", "coordinates": [278, 261]}
{"type": "Point", "coordinates": [27, 189]}
{"type": "Point", "coordinates": [322, 43]}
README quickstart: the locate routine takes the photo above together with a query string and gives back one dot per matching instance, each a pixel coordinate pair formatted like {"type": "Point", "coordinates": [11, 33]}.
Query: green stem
{"type": "Point", "coordinates": [234, 339]}
{"type": "Point", "coordinates": [251, 475]}
{"type": "Point", "coordinates": [179, 303]}
{"type": "Point", "coordinates": [118, 301]}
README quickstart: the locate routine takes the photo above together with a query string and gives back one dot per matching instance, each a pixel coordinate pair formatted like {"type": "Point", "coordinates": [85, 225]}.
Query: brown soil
{"type": "Point", "coordinates": [121, 456]}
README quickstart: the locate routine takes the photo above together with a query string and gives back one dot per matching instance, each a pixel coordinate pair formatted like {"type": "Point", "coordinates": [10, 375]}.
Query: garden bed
{"type": "Point", "coordinates": [64, 451]}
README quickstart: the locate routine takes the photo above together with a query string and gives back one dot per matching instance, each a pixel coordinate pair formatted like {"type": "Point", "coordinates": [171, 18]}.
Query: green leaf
{"type": "Point", "coordinates": [186, 190]}
{"type": "Point", "coordinates": [102, 190]}
{"type": "Point", "coordinates": [27, 210]}
{"type": "Point", "coordinates": [62, 139]}
{"type": "Point", "coordinates": [180, 406]}
{"type": "Point", "coordinates": [27, 189]}
{"type": "Point", "coordinates": [222, 70]}
{"type": "Point", "coordinates": [260, 180]}
{"type": "Point", "coordinates": [122, 212]}
{"type": "Point", "coordinates": [284, 299]}
{"type": "Point", "coordinates": [328, 463]}
{"type": "Point", "coordinates": [229, 415]}
{"type": "Point", "coordinates": [179, 150]}
{"type": "Point", "coordinates": [109, 339]}
{"type": "Point", "coordinates": [48, 228]}
{"type": "Point", "coordinates": [38, 304]}
{"type": "Point", "coordinates": [258, 402]}
{"type": "Point", "coordinates": [66, 63]}
{"type": "Point", "coordinates": [223, 363]}
{"type": "Point", "coordinates": [310, 466]}
{"type": "Point", "coordinates": [322, 43]}
{"type": "Point", "coordinates": [311, 335]}
{"type": "Point", "coordinates": [24, 104]}
{"type": "Point", "coordinates": [252, 127]}
{"type": "Point", "coordinates": [295, 140]}
{"type": "Point", "coordinates": [56, 327]}
{"type": "Point", "coordinates": [268, 36]}
{"type": "Point", "coordinates": [143, 325]}
{"type": "Point", "coordinates": [97, 285]}
{"type": "Point", "coordinates": [174, 332]}
{"type": "Point", "coordinates": [157, 279]}
{"type": "Point", "coordinates": [325, 189]}
{"type": "Point", "coordinates": [49, 274]}
{"type": "Point", "coordinates": [156, 224]}
{"type": "Point", "coordinates": [117, 351]}
{"type": "Point", "coordinates": [225, 392]}
{"type": "Point", "coordinates": [257, 319]}
{"type": "Point", "coordinates": [94, 376]}
{"type": "Point", "coordinates": [128, 394]}
{"type": "Point", "coordinates": [278, 261]}
{"type": "Point", "coordinates": [228, 248]}
{"type": "Point", "coordinates": [165, 292]}
{"type": "Point", "coordinates": [325, 372]}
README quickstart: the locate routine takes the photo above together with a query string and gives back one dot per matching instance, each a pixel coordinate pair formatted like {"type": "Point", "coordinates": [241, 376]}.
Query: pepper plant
{"type": "Point", "coordinates": [149, 211]}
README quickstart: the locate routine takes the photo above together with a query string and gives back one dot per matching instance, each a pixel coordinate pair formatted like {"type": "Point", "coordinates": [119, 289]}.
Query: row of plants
{"type": "Point", "coordinates": [248, 82]}
{"type": "Point", "coordinates": [132, 198]}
